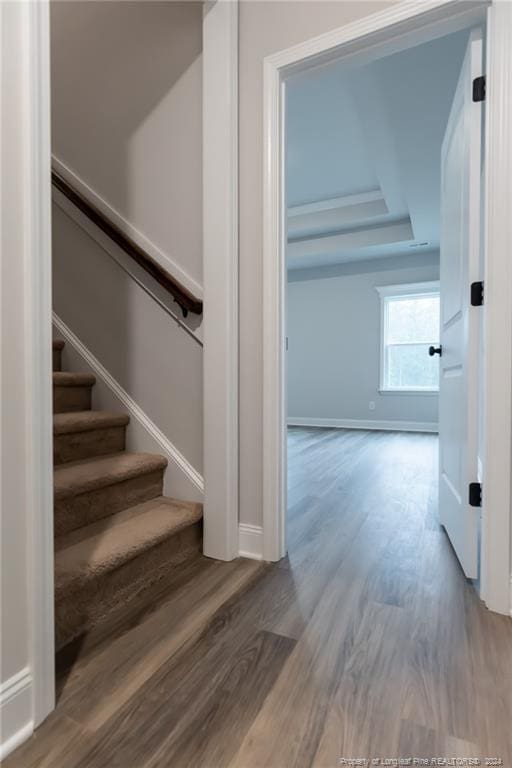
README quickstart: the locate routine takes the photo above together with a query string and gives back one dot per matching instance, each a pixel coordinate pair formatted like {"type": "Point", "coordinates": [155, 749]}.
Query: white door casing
{"type": "Point", "coordinates": [459, 267]}
{"type": "Point", "coordinates": [401, 26]}
{"type": "Point", "coordinates": [220, 278]}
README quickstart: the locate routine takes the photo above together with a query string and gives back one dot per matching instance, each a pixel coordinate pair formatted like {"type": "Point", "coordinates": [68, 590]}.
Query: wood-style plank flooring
{"type": "Point", "coordinates": [365, 642]}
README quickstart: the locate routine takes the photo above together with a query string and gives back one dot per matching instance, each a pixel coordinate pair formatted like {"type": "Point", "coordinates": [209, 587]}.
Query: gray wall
{"type": "Point", "coordinates": [334, 341]}
{"type": "Point", "coordinates": [152, 358]}
{"type": "Point", "coordinates": [127, 114]}
{"type": "Point", "coordinates": [265, 28]}
{"type": "Point", "coordinates": [127, 119]}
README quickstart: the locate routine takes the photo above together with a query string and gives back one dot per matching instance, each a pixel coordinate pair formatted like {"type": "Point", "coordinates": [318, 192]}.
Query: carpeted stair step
{"type": "Point", "coordinates": [57, 348]}
{"type": "Point", "coordinates": [88, 490]}
{"type": "Point", "coordinates": [106, 564]}
{"type": "Point", "coordinates": [72, 391]}
{"type": "Point", "coordinates": [85, 434]}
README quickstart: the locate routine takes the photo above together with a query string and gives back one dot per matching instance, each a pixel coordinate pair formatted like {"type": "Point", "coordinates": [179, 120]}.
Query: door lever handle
{"type": "Point", "coordinates": [435, 351]}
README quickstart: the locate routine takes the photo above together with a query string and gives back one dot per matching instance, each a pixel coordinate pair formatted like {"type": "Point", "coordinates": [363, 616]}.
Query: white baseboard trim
{"type": "Point", "coordinates": [394, 426]}
{"type": "Point", "coordinates": [128, 229]}
{"type": "Point", "coordinates": [16, 711]}
{"type": "Point", "coordinates": [250, 541]}
{"type": "Point", "coordinates": [134, 410]}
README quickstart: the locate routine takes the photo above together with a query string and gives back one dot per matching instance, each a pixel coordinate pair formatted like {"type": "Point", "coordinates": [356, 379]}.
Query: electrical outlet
{"type": "Point", "coordinates": [371, 405]}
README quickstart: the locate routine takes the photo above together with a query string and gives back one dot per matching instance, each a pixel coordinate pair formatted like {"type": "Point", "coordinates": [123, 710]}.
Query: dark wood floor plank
{"type": "Point", "coordinates": [417, 741]}
{"type": "Point", "coordinates": [360, 720]}
{"type": "Point", "coordinates": [300, 702]}
{"type": "Point", "coordinates": [103, 684]}
{"type": "Point", "coordinates": [138, 728]}
{"type": "Point", "coordinates": [214, 732]}
{"type": "Point", "coordinates": [365, 641]}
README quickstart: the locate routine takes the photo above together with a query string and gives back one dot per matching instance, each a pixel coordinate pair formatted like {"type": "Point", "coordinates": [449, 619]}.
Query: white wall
{"type": "Point", "coordinates": [127, 121]}
{"type": "Point", "coordinates": [127, 114]}
{"type": "Point", "coordinates": [146, 352]}
{"type": "Point", "coordinates": [264, 29]}
{"type": "Point", "coordinates": [333, 328]}
{"type": "Point", "coordinates": [25, 388]}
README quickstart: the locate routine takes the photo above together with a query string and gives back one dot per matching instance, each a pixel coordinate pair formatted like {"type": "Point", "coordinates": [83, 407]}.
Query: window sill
{"type": "Point", "coordinates": [415, 392]}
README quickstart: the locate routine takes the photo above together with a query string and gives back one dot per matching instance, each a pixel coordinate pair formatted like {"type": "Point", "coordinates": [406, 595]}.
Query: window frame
{"type": "Point", "coordinates": [402, 291]}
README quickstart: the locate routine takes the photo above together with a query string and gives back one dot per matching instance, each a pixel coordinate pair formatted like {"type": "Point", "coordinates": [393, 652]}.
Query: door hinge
{"type": "Point", "coordinates": [479, 88]}
{"type": "Point", "coordinates": [475, 494]}
{"type": "Point", "coordinates": [477, 294]}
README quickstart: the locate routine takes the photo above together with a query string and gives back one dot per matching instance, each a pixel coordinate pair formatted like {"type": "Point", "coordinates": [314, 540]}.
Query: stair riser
{"type": "Point", "coordinates": [66, 399]}
{"type": "Point", "coordinates": [78, 611]}
{"type": "Point", "coordinates": [57, 360]}
{"type": "Point", "coordinates": [84, 445]}
{"type": "Point", "coordinates": [76, 511]}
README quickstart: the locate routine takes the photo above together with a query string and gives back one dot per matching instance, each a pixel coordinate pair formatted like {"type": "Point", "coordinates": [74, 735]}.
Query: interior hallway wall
{"type": "Point", "coordinates": [334, 333]}
{"type": "Point", "coordinates": [145, 350]}
{"type": "Point", "coordinates": [265, 28]}
{"type": "Point", "coordinates": [127, 114]}
{"type": "Point", "coordinates": [127, 120]}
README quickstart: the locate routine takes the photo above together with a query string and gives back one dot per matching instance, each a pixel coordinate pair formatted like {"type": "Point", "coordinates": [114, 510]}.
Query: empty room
{"type": "Point", "coordinates": [373, 153]}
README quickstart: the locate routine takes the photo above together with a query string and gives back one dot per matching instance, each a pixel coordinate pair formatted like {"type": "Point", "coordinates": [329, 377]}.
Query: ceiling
{"type": "Point", "coordinates": [363, 155]}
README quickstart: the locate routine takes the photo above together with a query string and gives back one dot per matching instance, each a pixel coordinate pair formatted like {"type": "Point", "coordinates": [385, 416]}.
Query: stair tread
{"type": "Point", "coordinates": [85, 421]}
{"type": "Point", "coordinates": [103, 546]}
{"type": "Point", "coordinates": [89, 474]}
{"type": "Point", "coordinates": [70, 379]}
{"type": "Point", "coordinates": [57, 344]}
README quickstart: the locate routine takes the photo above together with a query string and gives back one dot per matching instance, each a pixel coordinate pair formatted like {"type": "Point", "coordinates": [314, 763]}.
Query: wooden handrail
{"type": "Point", "coordinates": [186, 300]}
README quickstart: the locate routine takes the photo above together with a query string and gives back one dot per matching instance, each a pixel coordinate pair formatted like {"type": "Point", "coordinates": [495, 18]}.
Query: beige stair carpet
{"type": "Point", "coordinates": [82, 434]}
{"type": "Point", "coordinates": [115, 532]}
{"type": "Point", "coordinates": [105, 564]}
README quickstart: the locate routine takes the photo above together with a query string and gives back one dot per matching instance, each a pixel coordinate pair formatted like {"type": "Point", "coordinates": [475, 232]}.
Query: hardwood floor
{"type": "Point", "coordinates": [365, 642]}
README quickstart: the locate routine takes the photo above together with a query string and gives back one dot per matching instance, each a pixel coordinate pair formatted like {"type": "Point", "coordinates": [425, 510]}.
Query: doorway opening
{"type": "Point", "coordinates": [373, 226]}
{"type": "Point", "coordinates": [327, 232]}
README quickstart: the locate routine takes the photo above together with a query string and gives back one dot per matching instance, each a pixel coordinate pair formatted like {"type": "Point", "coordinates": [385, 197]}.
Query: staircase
{"type": "Point", "coordinates": [115, 534]}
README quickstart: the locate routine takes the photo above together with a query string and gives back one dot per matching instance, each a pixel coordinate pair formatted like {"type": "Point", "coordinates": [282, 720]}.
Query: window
{"type": "Point", "coordinates": [409, 325]}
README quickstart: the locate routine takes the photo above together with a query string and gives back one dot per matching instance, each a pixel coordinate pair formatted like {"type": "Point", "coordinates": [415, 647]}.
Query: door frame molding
{"type": "Point", "coordinates": [397, 28]}
{"type": "Point", "coordinates": [220, 278]}
{"type": "Point", "coordinates": [38, 359]}
{"type": "Point", "coordinates": [496, 586]}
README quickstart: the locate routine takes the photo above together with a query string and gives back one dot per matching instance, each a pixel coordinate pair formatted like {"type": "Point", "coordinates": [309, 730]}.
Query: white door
{"type": "Point", "coordinates": [460, 243]}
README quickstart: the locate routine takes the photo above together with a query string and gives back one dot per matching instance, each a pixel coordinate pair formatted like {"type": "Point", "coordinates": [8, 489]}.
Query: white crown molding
{"type": "Point", "coordinates": [250, 541]}
{"type": "Point", "coordinates": [16, 711]}
{"type": "Point", "coordinates": [317, 51]}
{"type": "Point", "coordinates": [408, 289]}
{"type": "Point", "coordinates": [391, 426]}
{"type": "Point", "coordinates": [332, 203]}
{"type": "Point", "coordinates": [383, 233]}
{"type": "Point", "coordinates": [135, 411]}
{"type": "Point", "coordinates": [346, 218]}
{"type": "Point", "coordinates": [128, 229]}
